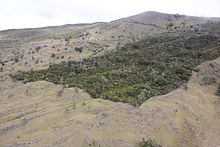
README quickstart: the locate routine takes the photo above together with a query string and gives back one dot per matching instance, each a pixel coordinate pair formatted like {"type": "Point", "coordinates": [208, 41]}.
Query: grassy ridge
{"type": "Point", "coordinates": [135, 72]}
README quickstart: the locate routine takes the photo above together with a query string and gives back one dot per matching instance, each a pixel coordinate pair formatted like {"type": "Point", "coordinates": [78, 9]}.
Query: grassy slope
{"type": "Point", "coordinates": [33, 114]}
{"type": "Point", "coordinates": [18, 47]}
{"type": "Point", "coordinates": [137, 71]}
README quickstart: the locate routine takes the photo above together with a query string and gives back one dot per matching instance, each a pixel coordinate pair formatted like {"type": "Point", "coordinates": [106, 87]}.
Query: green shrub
{"type": "Point", "coordinates": [53, 55]}
{"type": "Point", "coordinates": [79, 49]}
{"type": "Point", "coordinates": [149, 143]}
{"type": "Point", "coordinates": [218, 90]}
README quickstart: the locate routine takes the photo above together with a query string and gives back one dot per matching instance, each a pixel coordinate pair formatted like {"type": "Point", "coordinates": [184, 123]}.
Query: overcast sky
{"type": "Point", "coordinates": [38, 13]}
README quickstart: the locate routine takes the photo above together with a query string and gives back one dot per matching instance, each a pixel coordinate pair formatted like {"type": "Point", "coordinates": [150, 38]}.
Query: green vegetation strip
{"type": "Point", "coordinates": [135, 72]}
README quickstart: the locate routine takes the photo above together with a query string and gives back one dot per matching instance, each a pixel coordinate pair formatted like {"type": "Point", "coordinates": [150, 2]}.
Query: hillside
{"type": "Point", "coordinates": [112, 84]}
{"type": "Point", "coordinates": [38, 114]}
{"type": "Point", "coordinates": [27, 49]}
{"type": "Point", "coordinates": [137, 71]}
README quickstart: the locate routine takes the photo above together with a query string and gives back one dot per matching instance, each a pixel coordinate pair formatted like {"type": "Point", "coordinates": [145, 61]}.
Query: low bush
{"type": "Point", "coordinates": [53, 55]}
{"type": "Point", "coordinates": [149, 143]}
{"type": "Point", "coordinates": [218, 90]}
{"type": "Point", "coordinates": [79, 49]}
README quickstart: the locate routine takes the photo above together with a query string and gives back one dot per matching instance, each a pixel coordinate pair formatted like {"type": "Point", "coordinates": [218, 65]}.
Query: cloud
{"type": "Point", "coordinates": [38, 13]}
